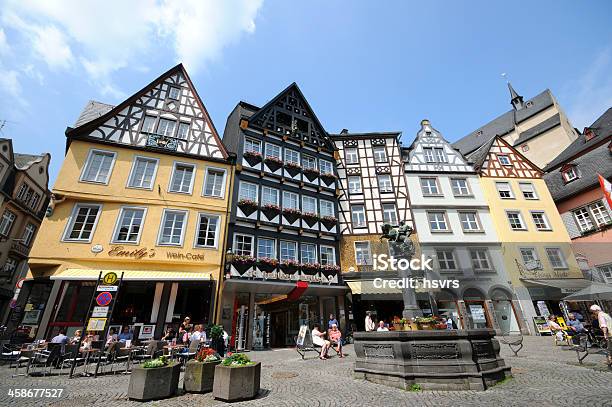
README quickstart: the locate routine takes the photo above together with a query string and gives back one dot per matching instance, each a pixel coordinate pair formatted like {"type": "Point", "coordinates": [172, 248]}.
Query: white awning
{"type": "Point", "coordinates": [133, 275]}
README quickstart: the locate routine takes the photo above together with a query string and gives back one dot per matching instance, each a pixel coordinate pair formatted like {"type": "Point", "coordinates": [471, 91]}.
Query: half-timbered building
{"type": "Point", "coordinates": [372, 192]}
{"type": "Point", "coordinates": [538, 257]}
{"type": "Point", "coordinates": [283, 233]}
{"type": "Point", "coordinates": [456, 230]}
{"type": "Point", "coordinates": [143, 191]}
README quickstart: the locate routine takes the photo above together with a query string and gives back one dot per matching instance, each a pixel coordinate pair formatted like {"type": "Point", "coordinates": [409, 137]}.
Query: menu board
{"type": "Point", "coordinates": [541, 325]}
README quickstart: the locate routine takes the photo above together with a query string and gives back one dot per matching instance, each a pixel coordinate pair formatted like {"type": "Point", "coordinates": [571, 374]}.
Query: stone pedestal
{"type": "Point", "coordinates": [237, 383]}
{"type": "Point", "coordinates": [436, 360]}
{"type": "Point", "coordinates": [154, 383]}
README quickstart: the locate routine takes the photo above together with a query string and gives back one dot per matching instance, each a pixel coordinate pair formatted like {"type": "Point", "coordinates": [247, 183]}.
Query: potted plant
{"type": "Point", "coordinates": [200, 372]}
{"type": "Point", "coordinates": [252, 157]}
{"type": "Point", "coordinates": [328, 178]}
{"type": "Point", "coordinates": [215, 333]}
{"type": "Point", "coordinates": [293, 168]}
{"type": "Point", "coordinates": [273, 163]}
{"type": "Point", "coordinates": [270, 210]}
{"type": "Point", "coordinates": [289, 266]}
{"type": "Point", "coordinates": [310, 268]}
{"type": "Point", "coordinates": [155, 379]}
{"type": "Point", "coordinates": [267, 264]}
{"type": "Point", "coordinates": [425, 323]}
{"type": "Point", "coordinates": [330, 269]}
{"type": "Point", "coordinates": [248, 206]}
{"type": "Point", "coordinates": [291, 214]}
{"type": "Point", "coordinates": [243, 263]}
{"type": "Point", "coordinates": [329, 221]}
{"type": "Point", "coordinates": [311, 173]}
{"type": "Point", "coordinates": [237, 378]}
{"type": "Point", "coordinates": [310, 218]}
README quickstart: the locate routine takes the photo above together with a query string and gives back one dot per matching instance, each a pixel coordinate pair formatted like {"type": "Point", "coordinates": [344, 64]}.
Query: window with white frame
{"type": "Point", "coordinates": [555, 257]}
{"type": "Point", "coordinates": [309, 204]}
{"type": "Point", "coordinates": [252, 145]}
{"type": "Point", "coordinates": [570, 174]}
{"type": "Point", "coordinates": [82, 222]}
{"type": "Point", "coordinates": [606, 272]}
{"type": "Point", "coordinates": [354, 184]}
{"type": "Point", "coordinates": [351, 156]}
{"type": "Point", "coordinates": [214, 182]}
{"type": "Point", "coordinates": [183, 131]}
{"type": "Point", "coordinates": [429, 186]}
{"type": "Point", "coordinates": [446, 259]}
{"type": "Point", "coordinates": [540, 220]}
{"type": "Point", "coordinates": [460, 187]}
{"type": "Point", "coordinates": [529, 255]}
{"type": "Point", "coordinates": [243, 245]}
{"type": "Point", "coordinates": [363, 254]}
{"type": "Point", "coordinates": [504, 190]}
{"type": "Point", "coordinates": [437, 221]}
{"type": "Point", "coordinates": [440, 155]}
{"type": "Point", "coordinates": [174, 92]}
{"type": "Point", "coordinates": [98, 166]}
{"type": "Point", "coordinates": [269, 196]}
{"type": "Point", "coordinates": [247, 191]}
{"type": "Point", "coordinates": [129, 225]}
{"type": "Point", "coordinates": [384, 183]}
{"type": "Point", "coordinates": [6, 224]}
{"type": "Point", "coordinates": [172, 228]}
{"type": "Point", "coordinates": [326, 208]}
{"type": "Point", "coordinates": [308, 162]}
{"type": "Point", "coordinates": [166, 127]}
{"type": "Point", "coordinates": [328, 256]}
{"type": "Point", "coordinates": [503, 159]}
{"type": "Point", "coordinates": [358, 216]}
{"type": "Point", "coordinates": [28, 234]}
{"type": "Point", "coordinates": [34, 202]}
{"type": "Point", "coordinates": [469, 221]}
{"type": "Point", "coordinates": [288, 250]}
{"type": "Point", "coordinates": [143, 172]}
{"type": "Point", "coordinates": [208, 230]}
{"type": "Point", "coordinates": [380, 154]}
{"type": "Point", "coordinates": [326, 167]}
{"type": "Point", "coordinates": [389, 213]}
{"type": "Point", "coordinates": [274, 151]}
{"type": "Point", "coordinates": [308, 253]}
{"type": "Point", "coordinates": [148, 125]}
{"type": "Point", "coordinates": [266, 248]}
{"type": "Point", "coordinates": [516, 220]}
{"type": "Point", "coordinates": [291, 200]}
{"type": "Point", "coordinates": [182, 178]}
{"type": "Point", "coordinates": [480, 259]}
{"type": "Point", "coordinates": [528, 190]}
{"type": "Point", "coordinates": [600, 213]}
{"type": "Point", "coordinates": [429, 155]}
{"type": "Point", "coordinates": [594, 214]}
{"type": "Point", "coordinates": [292, 156]}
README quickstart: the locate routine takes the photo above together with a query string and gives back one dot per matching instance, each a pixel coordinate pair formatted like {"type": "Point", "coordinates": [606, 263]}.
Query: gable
{"type": "Point", "coordinates": [515, 166]}
{"type": "Point", "coordinates": [145, 119]}
{"type": "Point", "coordinates": [290, 115]}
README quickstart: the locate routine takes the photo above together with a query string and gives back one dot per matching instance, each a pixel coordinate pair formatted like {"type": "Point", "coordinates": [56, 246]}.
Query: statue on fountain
{"type": "Point", "coordinates": [399, 239]}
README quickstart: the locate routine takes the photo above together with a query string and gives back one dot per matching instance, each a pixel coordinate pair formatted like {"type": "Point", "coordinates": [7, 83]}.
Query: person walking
{"type": "Point", "coordinates": [369, 323]}
{"type": "Point", "coordinates": [605, 324]}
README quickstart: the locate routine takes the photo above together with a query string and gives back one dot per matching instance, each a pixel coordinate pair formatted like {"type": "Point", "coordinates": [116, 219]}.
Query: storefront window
{"type": "Point", "coordinates": [134, 303]}
{"type": "Point", "coordinates": [476, 309]}
{"type": "Point", "coordinates": [193, 300]}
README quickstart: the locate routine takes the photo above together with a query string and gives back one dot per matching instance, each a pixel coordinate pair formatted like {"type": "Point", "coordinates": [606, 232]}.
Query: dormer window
{"type": "Point", "coordinates": [504, 160]}
{"type": "Point", "coordinates": [570, 174]}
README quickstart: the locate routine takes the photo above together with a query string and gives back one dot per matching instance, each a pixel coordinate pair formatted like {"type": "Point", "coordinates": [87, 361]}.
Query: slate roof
{"type": "Point", "coordinates": [370, 134]}
{"type": "Point", "coordinates": [596, 161]}
{"type": "Point", "coordinates": [23, 161]}
{"type": "Point", "coordinates": [504, 123]}
{"type": "Point", "coordinates": [92, 110]}
{"type": "Point", "coordinates": [602, 127]}
{"type": "Point", "coordinates": [478, 157]}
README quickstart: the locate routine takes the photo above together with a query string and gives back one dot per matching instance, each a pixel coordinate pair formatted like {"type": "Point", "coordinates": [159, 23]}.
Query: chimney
{"type": "Point", "coordinates": [588, 134]}
{"type": "Point", "coordinates": [344, 132]}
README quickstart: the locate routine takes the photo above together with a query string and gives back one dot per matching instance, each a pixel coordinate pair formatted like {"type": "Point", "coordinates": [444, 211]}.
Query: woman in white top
{"type": "Point", "coordinates": [382, 327]}
{"type": "Point", "coordinates": [317, 339]}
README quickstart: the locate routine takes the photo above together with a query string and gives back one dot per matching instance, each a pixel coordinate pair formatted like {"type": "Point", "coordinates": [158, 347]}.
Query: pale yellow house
{"type": "Point", "coordinates": [537, 251]}
{"type": "Point", "coordinates": [143, 191]}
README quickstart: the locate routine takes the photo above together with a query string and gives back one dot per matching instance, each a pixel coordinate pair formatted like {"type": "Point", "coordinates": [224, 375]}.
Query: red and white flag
{"type": "Point", "coordinates": [606, 186]}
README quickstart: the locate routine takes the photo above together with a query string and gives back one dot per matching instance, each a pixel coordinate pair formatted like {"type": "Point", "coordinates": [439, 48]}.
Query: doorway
{"type": "Point", "coordinates": [278, 328]}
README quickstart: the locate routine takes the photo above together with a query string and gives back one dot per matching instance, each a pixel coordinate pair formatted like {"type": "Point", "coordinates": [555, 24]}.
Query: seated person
{"type": "Point", "coordinates": [77, 336]}
{"type": "Point", "coordinates": [60, 337]}
{"type": "Point", "coordinates": [125, 334]}
{"type": "Point", "coordinates": [319, 340]}
{"type": "Point", "coordinates": [335, 336]}
{"type": "Point", "coordinates": [169, 336]}
{"type": "Point", "coordinates": [381, 326]}
{"type": "Point", "coordinates": [198, 334]}
{"type": "Point", "coordinates": [112, 337]}
{"type": "Point", "coordinates": [575, 328]}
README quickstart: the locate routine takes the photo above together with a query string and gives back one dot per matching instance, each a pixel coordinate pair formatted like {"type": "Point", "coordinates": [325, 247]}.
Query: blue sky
{"type": "Point", "coordinates": [363, 65]}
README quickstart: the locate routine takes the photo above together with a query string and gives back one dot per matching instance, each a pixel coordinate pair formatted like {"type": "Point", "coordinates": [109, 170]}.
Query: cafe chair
{"type": "Point", "coordinates": [183, 357]}
{"type": "Point", "coordinates": [70, 355]}
{"type": "Point", "coordinates": [47, 358]}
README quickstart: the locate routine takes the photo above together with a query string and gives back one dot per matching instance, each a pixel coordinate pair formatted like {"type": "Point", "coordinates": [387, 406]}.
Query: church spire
{"type": "Point", "coordinates": [515, 99]}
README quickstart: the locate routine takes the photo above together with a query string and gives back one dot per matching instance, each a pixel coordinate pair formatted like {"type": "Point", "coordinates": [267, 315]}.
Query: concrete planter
{"type": "Point", "coordinates": [199, 376]}
{"type": "Point", "coordinates": [237, 383]}
{"type": "Point", "coordinates": [155, 383]}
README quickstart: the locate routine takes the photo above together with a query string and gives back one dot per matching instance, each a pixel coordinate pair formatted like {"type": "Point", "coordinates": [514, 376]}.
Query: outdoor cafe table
{"type": "Point", "coordinates": [172, 349]}
{"type": "Point", "coordinates": [131, 351]}
{"type": "Point", "coordinates": [87, 353]}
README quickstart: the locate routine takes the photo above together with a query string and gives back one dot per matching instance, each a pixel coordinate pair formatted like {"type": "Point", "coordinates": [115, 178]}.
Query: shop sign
{"type": "Point", "coordinates": [96, 324]}
{"type": "Point", "coordinates": [477, 312]}
{"type": "Point", "coordinates": [145, 252]}
{"type": "Point", "coordinates": [107, 288]}
{"type": "Point", "coordinates": [99, 312]}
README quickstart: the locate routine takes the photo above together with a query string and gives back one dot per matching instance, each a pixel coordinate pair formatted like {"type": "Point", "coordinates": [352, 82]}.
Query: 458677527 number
{"type": "Point", "coordinates": [35, 393]}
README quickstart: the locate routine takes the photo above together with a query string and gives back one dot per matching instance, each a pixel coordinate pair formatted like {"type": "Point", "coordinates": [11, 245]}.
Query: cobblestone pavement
{"type": "Point", "coordinates": [544, 375]}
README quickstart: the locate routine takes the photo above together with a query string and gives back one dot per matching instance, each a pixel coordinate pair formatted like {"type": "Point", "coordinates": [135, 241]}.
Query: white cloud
{"type": "Point", "coordinates": [5, 48]}
{"type": "Point", "coordinates": [102, 38]}
{"type": "Point", "coordinates": [10, 85]}
{"type": "Point", "coordinates": [591, 94]}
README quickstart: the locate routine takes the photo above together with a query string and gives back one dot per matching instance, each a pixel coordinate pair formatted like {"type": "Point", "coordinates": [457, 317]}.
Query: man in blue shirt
{"type": "Point", "coordinates": [60, 338]}
{"type": "Point", "coordinates": [126, 335]}
{"type": "Point", "coordinates": [332, 321]}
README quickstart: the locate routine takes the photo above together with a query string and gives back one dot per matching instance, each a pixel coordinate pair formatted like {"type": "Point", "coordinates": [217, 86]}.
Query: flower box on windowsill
{"type": "Point", "coordinates": [273, 163]}
{"type": "Point", "coordinates": [329, 221]}
{"type": "Point", "coordinates": [329, 270]}
{"type": "Point", "coordinates": [310, 218]}
{"type": "Point", "coordinates": [289, 266]}
{"type": "Point", "coordinates": [247, 206]}
{"type": "Point", "coordinates": [252, 157]}
{"type": "Point", "coordinates": [292, 168]}
{"type": "Point", "coordinates": [311, 268]}
{"type": "Point", "coordinates": [267, 264]}
{"type": "Point", "coordinates": [328, 178]}
{"type": "Point", "coordinates": [311, 174]}
{"type": "Point", "coordinates": [270, 210]}
{"type": "Point", "coordinates": [243, 263]}
{"type": "Point", "coordinates": [291, 214]}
